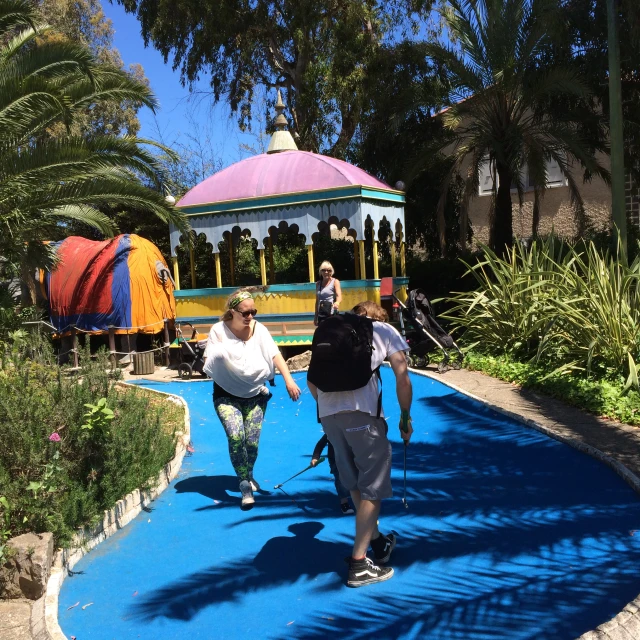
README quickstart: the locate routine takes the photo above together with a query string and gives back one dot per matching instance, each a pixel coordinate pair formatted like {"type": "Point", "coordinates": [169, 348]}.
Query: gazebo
{"type": "Point", "coordinates": [283, 187]}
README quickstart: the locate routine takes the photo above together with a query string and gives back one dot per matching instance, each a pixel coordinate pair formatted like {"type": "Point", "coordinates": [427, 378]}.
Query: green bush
{"type": "Point", "coordinates": [555, 305]}
{"type": "Point", "coordinates": [605, 398]}
{"type": "Point", "coordinates": [74, 446]}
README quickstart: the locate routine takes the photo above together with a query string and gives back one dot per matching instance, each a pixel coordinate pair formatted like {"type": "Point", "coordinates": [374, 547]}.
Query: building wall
{"type": "Point", "coordinates": [557, 213]}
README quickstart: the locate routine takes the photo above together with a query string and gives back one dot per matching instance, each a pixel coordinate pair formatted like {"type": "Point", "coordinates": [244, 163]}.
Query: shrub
{"type": "Point", "coordinates": [553, 304]}
{"type": "Point", "coordinates": [63, 460]}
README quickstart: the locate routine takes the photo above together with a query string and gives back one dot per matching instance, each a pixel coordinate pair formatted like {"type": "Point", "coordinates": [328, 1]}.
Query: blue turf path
{"type": "Point", "coordinates": [508, 535]}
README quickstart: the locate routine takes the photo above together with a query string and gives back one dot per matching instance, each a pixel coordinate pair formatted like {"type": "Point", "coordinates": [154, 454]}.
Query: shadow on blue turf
{"type": "Point", "coordinates": [282, 560]}
{"type": "Point", "coordinates": [500, 529]}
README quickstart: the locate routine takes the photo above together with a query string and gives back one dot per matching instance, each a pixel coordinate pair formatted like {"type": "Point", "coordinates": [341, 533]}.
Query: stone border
{"type": "Point", "coordinates": [114, 519]}
{"type": "Point", "coordinates": [626, 624]}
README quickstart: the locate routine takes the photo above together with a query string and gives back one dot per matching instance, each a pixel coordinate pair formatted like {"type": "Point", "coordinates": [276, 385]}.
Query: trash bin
{"type": "Point", "coordinates": [143, 363]}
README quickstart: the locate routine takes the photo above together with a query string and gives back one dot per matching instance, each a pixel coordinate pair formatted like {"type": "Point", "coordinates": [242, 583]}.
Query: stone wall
{"type": "Point", "coordinates": [557, 213]}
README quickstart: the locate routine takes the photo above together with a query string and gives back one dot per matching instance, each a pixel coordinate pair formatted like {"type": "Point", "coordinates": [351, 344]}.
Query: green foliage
{"type": "Point", "coordinates": [581, 39]}
{"type": "Point", "coordinates": [510, 107]}
{"type": "Point", "coordinates": [607, 398]}
{"type": "Point", "coordinates": [98, 417]}
{"type": "Point", "coordinates": [73, 447]}
{"type": "Point", "coordinates": [44, 181]}
{"type": "Point", "coordinates": [84, 21]}
{"type": "Point", "coordinates": [554, 304]}
{"type": "Point", "coordinates": [318, 51]}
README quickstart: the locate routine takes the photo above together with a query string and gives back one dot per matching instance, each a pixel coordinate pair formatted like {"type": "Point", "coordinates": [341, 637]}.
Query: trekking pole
{"type": "Point", "coordinates": [311, 466]}
{"type": "Point", "coordinates": [404, 421]}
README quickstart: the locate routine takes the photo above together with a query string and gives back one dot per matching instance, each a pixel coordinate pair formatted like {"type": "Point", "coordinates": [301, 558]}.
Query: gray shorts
{"type": "Point", "coordinates": [363, 452]}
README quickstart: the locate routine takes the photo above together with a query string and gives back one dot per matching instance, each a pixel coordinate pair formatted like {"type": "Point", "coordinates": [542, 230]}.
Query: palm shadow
{"type": "Point", "coordinates": [283, 559]}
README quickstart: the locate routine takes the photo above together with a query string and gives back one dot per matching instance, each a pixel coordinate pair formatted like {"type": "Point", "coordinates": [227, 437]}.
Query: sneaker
{"type": "Point", "coordinates": [247, 496]}
{"type": "Point", "coordinates": [383, 546]}
{"type": "Point", "coordinates": [346, 509]}
{"type": "Point", "coordinates": [254, 485]}
{"type": "Point", "coordinates": [363, 572]}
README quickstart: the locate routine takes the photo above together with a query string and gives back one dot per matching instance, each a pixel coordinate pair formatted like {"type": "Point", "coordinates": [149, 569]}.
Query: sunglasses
{"type": "Point", "coordinates": [326, 270]}
{"type": "Point", "coordinates": [247, 313]}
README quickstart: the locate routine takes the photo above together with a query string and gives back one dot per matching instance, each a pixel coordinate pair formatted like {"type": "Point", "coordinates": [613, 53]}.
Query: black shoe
{"type": "Point", "coordinates": [383, 546]}
{"type": "Point", "coordinates": [346, 509]}
{"type": "Point", "coordinates": [247, 496]}
{"type": "Point", "coordinates": [363, 572]}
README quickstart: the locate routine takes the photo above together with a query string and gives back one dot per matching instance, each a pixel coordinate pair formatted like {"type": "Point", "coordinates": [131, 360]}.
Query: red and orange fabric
{"type": "Point", "coordinates": [122, 282]}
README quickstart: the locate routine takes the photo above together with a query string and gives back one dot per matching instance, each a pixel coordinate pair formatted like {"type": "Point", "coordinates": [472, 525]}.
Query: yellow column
{"type": "Point", "coordinates": [376, 273]}
{"type": "Point", "coordinates": [216, 257]}
{"type": "Point", "coordinates": [312, 275]}
{"type": "Point", "coordinates": [403, 263]}
{"type": "Point", "coordinates": [393, 259]}
{"type": "Point", "coordinates": [263, 268]}
{"type": "Point", "coordinates": [363, 266]}
{"type": "Point", "coordinates": [272, 272]}
{"type": "Point", "coordinates": [192, 264]}
{"type": "Point", "coordinates": [176, 273]}
{"type": "Point", "coordinates": [231, 265]}
{"type": "Point", "coordinates": [356, 259]}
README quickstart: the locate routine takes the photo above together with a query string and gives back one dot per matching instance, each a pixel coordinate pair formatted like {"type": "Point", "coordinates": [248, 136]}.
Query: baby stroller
{"type": "Point", "coordinates": [423, 334]}
{"type": "Point", "coordinates": [191, 353]}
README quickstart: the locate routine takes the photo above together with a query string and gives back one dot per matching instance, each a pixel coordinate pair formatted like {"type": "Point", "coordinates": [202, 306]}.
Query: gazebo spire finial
{"type": "Point", "coordinates": [281, 140]}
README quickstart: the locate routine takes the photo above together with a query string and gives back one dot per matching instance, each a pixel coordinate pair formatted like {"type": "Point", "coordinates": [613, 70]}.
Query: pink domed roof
{"type": "Point", "coordinates": [278, 173]}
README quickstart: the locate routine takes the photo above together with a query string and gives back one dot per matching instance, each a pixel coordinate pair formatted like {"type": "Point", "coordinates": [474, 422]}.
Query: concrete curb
{"type": "Point", "coordinates": [116, 518]}
{"type": "Point", "coordinates": [626, 624]}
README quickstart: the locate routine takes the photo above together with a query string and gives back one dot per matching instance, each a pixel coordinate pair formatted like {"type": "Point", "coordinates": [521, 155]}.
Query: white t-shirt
{"type": "Point", "coordinates": [238, 366]}
{"type": "Point", "coordinates": [386, 341]}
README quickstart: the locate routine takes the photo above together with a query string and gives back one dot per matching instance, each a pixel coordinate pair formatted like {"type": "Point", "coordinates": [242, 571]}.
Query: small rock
{"type": "Point", "coordinates": [26, 572]}
{"type": "Point", "coordinates": [299, 362]}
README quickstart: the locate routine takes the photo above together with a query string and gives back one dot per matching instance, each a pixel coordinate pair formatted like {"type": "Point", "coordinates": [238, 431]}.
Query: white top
{"type": "Point", "coordinates": [238, 366]}
{"type": "Point", "coordinates": [386, 341]}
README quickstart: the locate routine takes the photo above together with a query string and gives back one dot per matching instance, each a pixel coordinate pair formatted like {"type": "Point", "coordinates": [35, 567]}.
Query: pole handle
{"type": "Point", "coordinates": [404, 420]}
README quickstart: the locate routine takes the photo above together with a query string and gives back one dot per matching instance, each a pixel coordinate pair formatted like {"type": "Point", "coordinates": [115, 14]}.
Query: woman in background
{"type": "Point", "coordinates": [241, 356]}
{"type": "Point", "coordinates": [328, 293]}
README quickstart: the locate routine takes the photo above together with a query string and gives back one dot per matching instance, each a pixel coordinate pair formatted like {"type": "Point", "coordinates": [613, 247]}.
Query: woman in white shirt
{"type": "Point", "coordinates": [241, 356]}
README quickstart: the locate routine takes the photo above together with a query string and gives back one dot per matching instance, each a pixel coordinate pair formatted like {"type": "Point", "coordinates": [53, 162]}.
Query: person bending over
{"type": "Point", "coordinates": [241, 356]}
{"type": "Point", "coordinates": [363, 451]}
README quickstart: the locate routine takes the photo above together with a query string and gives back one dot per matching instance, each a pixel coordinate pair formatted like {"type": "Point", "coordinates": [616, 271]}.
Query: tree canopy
{"type": "Point", "coordinates": [318, 51]}
{"type": "Point", "coordinates": [84, 22]}
{"type": "Point", "coordinates": [45, 181]}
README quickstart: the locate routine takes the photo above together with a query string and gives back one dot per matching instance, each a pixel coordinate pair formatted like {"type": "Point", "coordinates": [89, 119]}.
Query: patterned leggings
{"type": "Point", "coordinates": [242, 421]}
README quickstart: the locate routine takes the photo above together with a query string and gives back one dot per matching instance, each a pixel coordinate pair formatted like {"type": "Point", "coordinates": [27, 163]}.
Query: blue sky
{"type": "Point", "coordinates": [179, 117]}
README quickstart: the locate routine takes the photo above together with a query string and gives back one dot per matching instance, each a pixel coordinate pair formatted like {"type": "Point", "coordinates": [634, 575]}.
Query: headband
{"type": "Point", "coordinates": [236, 300]}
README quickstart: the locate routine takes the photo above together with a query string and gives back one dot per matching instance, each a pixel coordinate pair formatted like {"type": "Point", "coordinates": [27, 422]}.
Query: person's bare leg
{"type": "Point", "coordinates": [367, 512]}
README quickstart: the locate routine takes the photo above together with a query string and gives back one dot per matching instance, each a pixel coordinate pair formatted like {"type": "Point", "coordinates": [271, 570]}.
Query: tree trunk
{"type": "Point", "coordinates": [501, 231]}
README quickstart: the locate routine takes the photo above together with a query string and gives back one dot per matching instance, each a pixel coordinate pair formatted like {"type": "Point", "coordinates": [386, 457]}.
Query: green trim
{"type": "Point", "coordinates": [285, 199]}
{"type": "Point", "coordinates": [293, 341]}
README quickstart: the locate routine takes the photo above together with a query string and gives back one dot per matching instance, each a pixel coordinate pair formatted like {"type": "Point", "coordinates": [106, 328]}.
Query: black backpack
{"type": "Point", "coordinates": [341, 354]}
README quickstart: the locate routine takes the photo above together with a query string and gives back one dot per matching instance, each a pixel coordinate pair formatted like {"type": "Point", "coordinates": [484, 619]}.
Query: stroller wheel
{"type": "Point", "coordinates": [421, 362]}
{"type": "Point", "coordinates": [185, 371]}
{"type": "Point", "coordinates": [443, 366]}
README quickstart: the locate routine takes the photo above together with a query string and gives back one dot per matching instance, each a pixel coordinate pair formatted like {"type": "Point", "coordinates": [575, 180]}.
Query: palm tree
{"type": "Point", "coordinates": [47, 181]}
{"type": "Point", "coordinates": [510, 110]}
